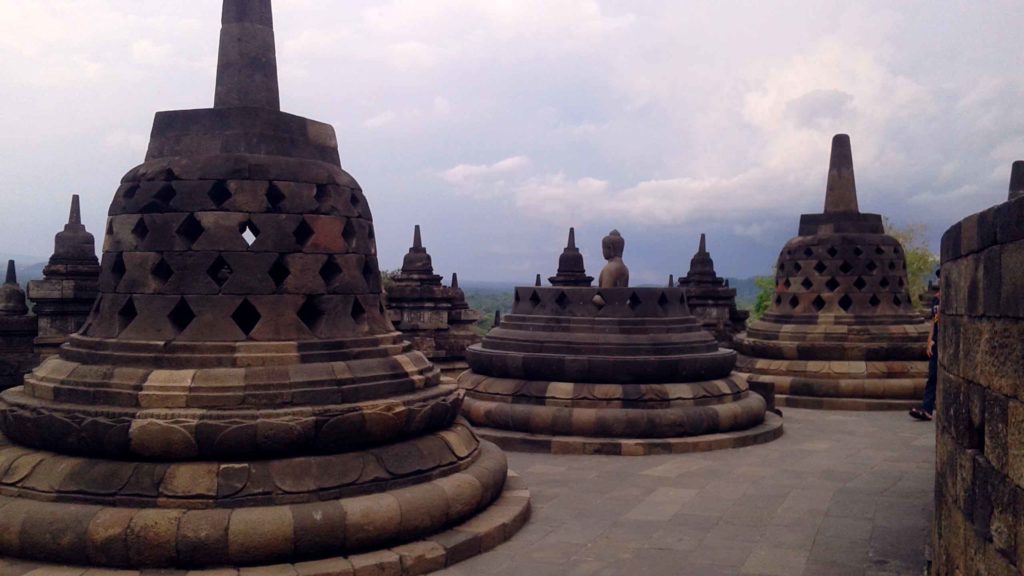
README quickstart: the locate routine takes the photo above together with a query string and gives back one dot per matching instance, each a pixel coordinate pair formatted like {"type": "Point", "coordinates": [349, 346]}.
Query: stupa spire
{"type": "Point", "coordinates": [703, 248]}
{"type": "Point", "coordinates": [247, 62]}
{"type": "Point", "coordinates": [75, 216]}
{"type": "Point", "coordinates": [571, 271]}
{"type": "Point", "coordinates": [841, 191]}
{"type": "Point", "coordinates": [455, 280]}
{"type": "Point", "coordinates": [572, 239]}
{"type": "Point", "coordinates": [417, 240]}
{"type": "Point", "coordinates": [1017, 180]}
{"type": "Point", "coordinates": [12, 273]}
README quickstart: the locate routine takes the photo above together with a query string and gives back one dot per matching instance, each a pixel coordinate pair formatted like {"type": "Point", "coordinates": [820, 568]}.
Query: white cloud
{"type": "Point", "coordinates": [472, 173]}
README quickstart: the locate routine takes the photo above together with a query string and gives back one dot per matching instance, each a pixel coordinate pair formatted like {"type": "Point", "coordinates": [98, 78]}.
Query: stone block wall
{"type": "Point", "coordinates": [979, 491]}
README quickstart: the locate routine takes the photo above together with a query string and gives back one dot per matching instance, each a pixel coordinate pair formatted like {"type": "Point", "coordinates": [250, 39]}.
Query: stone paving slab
{"type": "Point", "coordinates": [840, 493]}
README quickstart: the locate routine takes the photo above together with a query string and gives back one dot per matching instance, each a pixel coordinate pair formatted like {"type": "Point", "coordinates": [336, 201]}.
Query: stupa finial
{"type": "Point", "coordinates": [841, 191]}
{"type": "Point", "coordinates": [703, 248]}
{"type": "Point", "coordinates": [247, 63]}
{"type": "Point", "coordinates": [537, 281]}
{"type": "Point", "coordinates": [455, 280]}
{"type": "Point", "coordinates": [572, 239]}
{"type": "Point", "coordinates": [75, 217]}
{"type": "Point", "coordinates": [417, 240]}
{"type": "Point", "coordinates": [1017, 180]}
{"type": "Point", "coordinates": [12, 273]}
{"type": "Point", "coordinates": [671, 280]}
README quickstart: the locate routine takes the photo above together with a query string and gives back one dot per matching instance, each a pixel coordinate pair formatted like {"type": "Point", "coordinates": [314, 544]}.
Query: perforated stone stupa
{"type": "Point", "coordinates": [842, 331]}
{"type": "Point", "coordinates": [17, 332]}
{"type": "Point", "coordinates": [63, 298]}
{"type": "Point", "coordinates": [612, 370]}
{"type": "Point", "coordinates": [238, 397]}
{"type": "Point", "coordinates": [711, 299]}
{"type": "Point", "coordinates": [435, 318]}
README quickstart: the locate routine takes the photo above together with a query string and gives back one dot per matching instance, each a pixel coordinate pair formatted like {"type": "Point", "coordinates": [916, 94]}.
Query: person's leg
{"type": "Point", "coordinates": [928, 405]}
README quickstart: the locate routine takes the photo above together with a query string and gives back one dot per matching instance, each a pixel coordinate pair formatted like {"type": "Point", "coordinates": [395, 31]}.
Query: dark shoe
{"type": "Point", "coordinates": [920, 414]}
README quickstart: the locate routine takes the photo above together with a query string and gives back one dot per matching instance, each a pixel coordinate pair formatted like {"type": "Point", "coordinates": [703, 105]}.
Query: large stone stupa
{"type": "Point", "coordinates": [610, 370]}
{"type": "Point", "coordinates": [434, 317]}
{"type": "Point", "coordinates": [841, 332]}
{"type": "Point", "coordinates": [711, 299]}
{"type": "Point", "coordinates": [238, 397]}
{"type": "Point", "coordinates": [64, 296]}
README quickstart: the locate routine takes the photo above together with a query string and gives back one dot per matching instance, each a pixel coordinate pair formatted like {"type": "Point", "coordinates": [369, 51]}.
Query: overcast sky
{"type": "Point", "coordinates": [497, 124]}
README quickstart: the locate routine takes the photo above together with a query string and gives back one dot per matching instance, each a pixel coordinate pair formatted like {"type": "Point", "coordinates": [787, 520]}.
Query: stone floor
{"type": "Point", "coordinates": [841, 493]}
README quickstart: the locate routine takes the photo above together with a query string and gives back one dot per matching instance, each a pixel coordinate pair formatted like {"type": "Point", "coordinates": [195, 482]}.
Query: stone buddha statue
{"type": "Point", "coordinates": [615, 274]}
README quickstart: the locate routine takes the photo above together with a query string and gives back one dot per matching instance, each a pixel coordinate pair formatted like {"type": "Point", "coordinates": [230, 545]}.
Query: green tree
{"type": "Point", "coordinates": [921, 261]}
{"type": "Point", "coordinates": [765, 295]}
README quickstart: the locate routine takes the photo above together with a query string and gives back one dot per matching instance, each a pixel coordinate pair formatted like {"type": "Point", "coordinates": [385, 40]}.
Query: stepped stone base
{"type": "Point", "coordinates": [770, 430]}
{"type": "Point", "coordinates": [486, 530]}
{"type": "Point", "coordinates": [853, 404]}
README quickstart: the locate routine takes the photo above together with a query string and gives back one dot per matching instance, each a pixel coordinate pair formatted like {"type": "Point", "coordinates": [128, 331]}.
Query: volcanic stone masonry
{"type": "Point", "coordinates": [65, 295]}
{"type": "Point", "coordinates": [609, 370]}
{"type": "Point", "coordinates": [435, 318]}
{"type": "Point", "coordinates": [17, 332]}
{"type": "Point", "coordinates": [238, 396]}
{"type": "Point", "coordinates": [711, 299]}
{"type": "Point", "coordinates": [841, 332]}
{"type": "Point", "coordinates": [979, 489]}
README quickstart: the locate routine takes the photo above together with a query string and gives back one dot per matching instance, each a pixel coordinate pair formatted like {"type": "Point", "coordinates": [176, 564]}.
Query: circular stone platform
{"type": "Point", "coordinates": [610, 371]}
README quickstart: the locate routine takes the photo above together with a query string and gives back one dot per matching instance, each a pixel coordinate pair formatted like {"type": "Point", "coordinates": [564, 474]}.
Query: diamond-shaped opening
{"type": "Point", "coordinates": [246, 317]}
{"type": "Point", "coordinates": [818, 303]}
{"type": "Point", "coordinates": [807, 284]}
{"type": "Point", "coordinates": [279, 271]}
{"type": "Point", "coordinates": [126, 314]}
{"type": "Point", "coordinates": [162, 270]}
{"type": "Point", "coordinates": [249, 232]}
{"type": "Point", "coordinates": [778, 300]}
{"type": "Point", "coordinates": [311, 314]}
{"type": "Point", "coordinates": [787, 284]}
{"type": "Point", "coordinates": [634, 301]}
{"type": "Point", "coordinates": [901, 283]}
{"type": "Point", "coordinates": [516, 298]}
{"type": "Point", "coordinates": [330, 271]}
{"type": "Point", "coordinates": [140, 230]}
{"type": "Point", "coordinates": [322, 193]}
{"type": "Point", "coordinates": [275, 197]}
{"type": "Point", "coordinates": [846, 302]}
{"type": "Point", "coordinates": [896, 250]}
{"type": "Point", "coordinates": [884, 283]}
{"type": "Point", "coordinates": [369, 271]}
{"type": "Point", "coordinates": [219, 193]}
{"type": "Point", "coordinates": [165, 194]}
{"type": "Point", "coordinates": [190, 229]}
{"type": "Point", "coordinates": [131, 191]}
{"type": "Point", "coordinates": [860, 283]}
{"type": "Point", "coordinates": [782, 268]}
{"type": "Point", "coordinates": [871, 266]}
{"type": "Point", "coordinates": [832, 251]}
{"type": "Point", "coordinates": [219, 271]}
{"type": "Point", "coordinates": [358, 312]}
{"type": "Point", "coordinates": [181, 315]}
{"type": "Point", "coordinates": [874, 301]}
{"type": "Point", "coordinates": [845, 267]}
{"type": "Point", "coordinates": [896, 300]}
{"type": "Point", "coordinates": [117, 268]}
{"type": "Point", "coordinates": [303, 233]}
{"type": "Point", "coordinates": [808, 252]}
{"type": "Point", "coordinates": [858, 252]}
{"type": "Point", "coordinates": [562, 300]}
{"type": "Point", "coordinates": [663, 300]}
{"type": "Point", "coordinates": [832, 284]}
{"type": "Point", "coordinates": [169, 174]}
{"type": "Point", "coordinates": [353, 199]}
{"type": "Point", "coordinates": [892, 266]}
{"type": "Point", "coordinates": [797, 267]}
{"type": "Point", "coordinates": [535, 298]}
{"type": "Point", "coordinates": [794, 302]}
{"type": "Point", "coordinates": [879, 250]}
{"type": "Point", "coordinates": [820, 267]}
{"type": "Point", "coordinates": [372, 237]}
{"type": "Point", "coordinates": [349, 234]}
